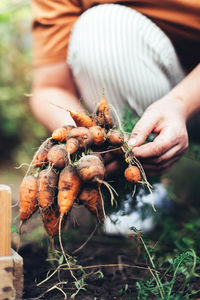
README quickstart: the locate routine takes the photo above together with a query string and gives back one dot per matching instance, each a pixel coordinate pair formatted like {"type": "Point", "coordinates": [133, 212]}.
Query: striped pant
{"type": "Point", "coordinates": [117, 48]}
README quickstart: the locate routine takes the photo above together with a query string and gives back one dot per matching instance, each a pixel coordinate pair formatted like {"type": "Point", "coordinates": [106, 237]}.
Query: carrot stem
{"type": "Point", "coordinates": [62, 249]}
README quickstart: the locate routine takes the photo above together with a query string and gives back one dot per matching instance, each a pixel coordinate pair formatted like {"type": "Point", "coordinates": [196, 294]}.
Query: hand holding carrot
{"type": "Point", "coordinates": [167, 119]}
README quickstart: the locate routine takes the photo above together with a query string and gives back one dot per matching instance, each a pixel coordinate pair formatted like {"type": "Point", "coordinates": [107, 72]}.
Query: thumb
{"type": "Point", "coordinates": [141, 130]}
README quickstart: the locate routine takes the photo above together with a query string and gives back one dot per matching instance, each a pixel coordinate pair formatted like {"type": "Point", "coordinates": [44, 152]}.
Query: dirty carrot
{"type": "Point", "coordinates": [103, 114]}
{"type": "Point", "coordinates": [115, 138]}
{"type": "Point", "coordinates": [60, 134]}
{"type": "Point", "coordinates": [69, 185]}
{"type": "Point", "coordinates": [82, 119]}
{"type": "Point", "coordinates": [132, 174]}
{"type": "Point", "coordinates": [72, 145]}
{"type": "Point", "coordinates": [91, 199]}
{"type": "Point", "coordinates": [99, 135]}
{"type": "Point", "coordinates": [47, 188]}
{"type": "Point", "coordinates": [40, 157]}
{"type": "Point", "coordinates": [50, 220]}
{"type": "Point", "coordinates": [28, 197]}
{"type": "Point", "coordinates": [91, 168]}
{"type": "Point", "coordinates": [83, 135]}
{"type": "Point", "coordinates": [57, 156]}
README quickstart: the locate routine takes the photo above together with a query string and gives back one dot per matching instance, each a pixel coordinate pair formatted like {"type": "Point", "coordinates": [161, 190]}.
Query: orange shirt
{"type": "Point", "coordinates": [54, 19]}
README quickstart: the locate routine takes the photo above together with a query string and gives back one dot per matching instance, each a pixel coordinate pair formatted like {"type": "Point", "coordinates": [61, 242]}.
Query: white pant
{"type": "Point", "coordinates": [117, 48]}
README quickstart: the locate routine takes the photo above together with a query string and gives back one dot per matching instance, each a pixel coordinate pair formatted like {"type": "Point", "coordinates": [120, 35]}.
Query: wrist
{"type": "Point", "coordinates": [178, 105]}
{"type": "Point", "coordinates": [188, 93]}
{"type": "Point", "coordinates": [189, 107]}
{"type": "Point", "coordinates": [183, 106]}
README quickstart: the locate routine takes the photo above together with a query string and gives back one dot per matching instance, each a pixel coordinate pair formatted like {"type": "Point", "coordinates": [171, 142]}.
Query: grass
{"type": "Point", "coordinates": [172, 254]}
{"type": "Point", "coordinates": [174, 282]}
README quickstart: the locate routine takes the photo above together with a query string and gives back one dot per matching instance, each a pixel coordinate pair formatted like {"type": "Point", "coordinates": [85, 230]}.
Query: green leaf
{"type": "Point", "coordinates": [60, 261]}
{"type": "Point", "coordinates": [14, 229]}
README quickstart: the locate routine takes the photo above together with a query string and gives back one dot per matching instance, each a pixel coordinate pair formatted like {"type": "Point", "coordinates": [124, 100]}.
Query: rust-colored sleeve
{"type": "Point", "coordinates": [52, 24]}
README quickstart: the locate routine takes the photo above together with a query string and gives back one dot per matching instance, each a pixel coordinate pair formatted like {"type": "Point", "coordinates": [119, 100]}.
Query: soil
{"type": "Point", "coordinates": [111, 268]}
{"type": "Point", "coordinates": [115, 282]}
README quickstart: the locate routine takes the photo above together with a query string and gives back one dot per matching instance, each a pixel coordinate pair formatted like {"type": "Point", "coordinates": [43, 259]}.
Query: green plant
{"type": "Point", "coordinates": [182, 269]}
{"type": "Point", "coordinates": [123, 290]}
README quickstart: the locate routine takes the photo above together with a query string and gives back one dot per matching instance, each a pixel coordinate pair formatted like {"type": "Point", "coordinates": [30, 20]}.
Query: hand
{"type": "Point", "coordinates": [167, 119]}
{"type": "Point", "coordinates": [114, 164]}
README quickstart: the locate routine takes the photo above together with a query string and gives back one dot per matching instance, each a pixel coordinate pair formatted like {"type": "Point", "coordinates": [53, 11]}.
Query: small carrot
{"type": "Point", "coordinates": [60, 134]}
{"type": "Point", "coordinates": [83, 135]}
{"type": "Point", "coordinates": [50, 220]}
{"type": "Point", "coordinates": [90, 197]}
{"type": "Point", "coordinates": [47, 188]}
{"type": "Point", "coordinates": [40, 157]}
{"type": "Point", "coordinates": [91, 168]}
{"type": "Point", "coordinates": [132, 174]}
{"type": "Point", "coordinates": [99, 135]}
{"type": "Point", "coordinates": [72, 145]}
{"type": "Point", "coordinates": [68, 188]}
{"type": "Point", "coordinates": [82, 119]}
{"type": "Point", "coordinates": [57, 156]}
{"type": "Point", "coordinates": [115, 138]}
{"type": "Point", "coordinates": [103, 114]}
{"type": "Point", "coordinates": [28, 197]}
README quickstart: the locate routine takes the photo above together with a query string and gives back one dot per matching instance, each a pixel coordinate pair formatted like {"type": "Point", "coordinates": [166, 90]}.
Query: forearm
{"type": "Point", "coordinates": [53, 86]}
{"type": "Point", "coordinates": [44, 104]}
{"type": "Point", "coordinates": [188, 92]}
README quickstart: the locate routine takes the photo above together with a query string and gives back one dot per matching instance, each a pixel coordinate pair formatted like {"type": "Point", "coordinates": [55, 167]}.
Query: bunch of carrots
{"type": "Point", "coordinates": [69, 168]}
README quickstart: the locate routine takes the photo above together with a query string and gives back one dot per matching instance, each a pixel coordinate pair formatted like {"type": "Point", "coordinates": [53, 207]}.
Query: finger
{"type": "Point", "coordinates": [161, 144]}
{"type": "Point", "coordinates": [160, 169]}
{"type": "Point", "coordinates": [161, 164]}
{"type": "Point", "coordinates": [142, 129]}
{"type": "Point", "coordinates": [150, 150]}
{"type": "Point", "coordinates": [174, 151]}
{"type": "Point", "coordinates": [115, 168]}
{"type": "Point", "coordinates": [157, 173]}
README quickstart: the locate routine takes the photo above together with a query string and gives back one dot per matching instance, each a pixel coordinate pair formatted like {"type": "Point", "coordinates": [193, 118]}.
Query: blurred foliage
{"type": "Point", "coordinates": [20, 133]}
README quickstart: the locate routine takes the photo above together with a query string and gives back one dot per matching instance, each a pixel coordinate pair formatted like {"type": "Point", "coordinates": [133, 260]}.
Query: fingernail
{"type": "Point", "coordinates": [132, 142]}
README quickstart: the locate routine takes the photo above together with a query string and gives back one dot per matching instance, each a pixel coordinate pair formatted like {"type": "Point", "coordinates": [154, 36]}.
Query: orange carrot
{"type": "Point", "coordinates": [99, 135]}
{"type": "Point", "coordinates": [50, 219]}
{"type": "Point", "coordinates": [40, 157]}
{"type": "Point", "coordinates": [115, 138]}
{"type": "Point", "coordinates": [72, 145]}
{"type": "Point", "coordinates": [82, 120]}
{"type": "Point", "coordinates": [103, 114]}
{"type": "Point", "coordinates": [83, 135]}
{"type": "Point", "coordinates": [28, 197]}
{"type": "Point", "coordinates": [69, 185]}
{"type": "Point", "coordinates": [132, 174]}
{"type": "Point", "coordinates": [57, 156]}
{"type": "Point", "coordinates": [91, 199]}
{"type": "Point", "coordinates": [60, 134]}
{"type": "Point", "coordinates": [91, 168]}
{"type": "Point", "coordinates": [47, 188]}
